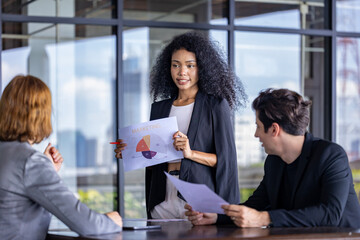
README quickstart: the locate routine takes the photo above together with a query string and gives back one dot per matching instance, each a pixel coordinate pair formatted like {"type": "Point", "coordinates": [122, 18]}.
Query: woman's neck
{"type": "Point", "coordinates": [185, 98]}
{"type": "Point", "coordinates": [188, 93]}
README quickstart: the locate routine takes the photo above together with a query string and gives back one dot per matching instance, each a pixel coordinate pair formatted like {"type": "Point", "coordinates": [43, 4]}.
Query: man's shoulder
{"type": "Point", "coordinates": [325, 151]}
{"type": "Point", "coordinates": [319, 144]}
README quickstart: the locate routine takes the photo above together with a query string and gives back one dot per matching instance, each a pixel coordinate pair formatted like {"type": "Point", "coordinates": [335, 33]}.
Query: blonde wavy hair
{"type": "Point", "coordinates": [25, 110]}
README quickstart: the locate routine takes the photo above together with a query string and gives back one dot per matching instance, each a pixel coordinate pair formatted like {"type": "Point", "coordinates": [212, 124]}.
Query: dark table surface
{"type": "Point", "coordinates": [184, 230]}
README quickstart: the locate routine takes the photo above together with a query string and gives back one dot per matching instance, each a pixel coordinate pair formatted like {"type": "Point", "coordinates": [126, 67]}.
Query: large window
{"type": "Point", "coordinates": [190, 11]}
{"type": "Point", "coordinates": [348, 15]}
{"type": "Point", "coordinates": [96, 55]}
{"type": "Point", "coordinates": [61, 8]}
{"type": "Point", "coordinates": [77, 62]}
{"type": "Point", "coordinates": [264, 60]}
{"type": "Point", "coordinates": [348, 102]}
{"type": "Point", "coordinates": [348, 84]}
{"type": "Point", "coordinates": [284, 14]}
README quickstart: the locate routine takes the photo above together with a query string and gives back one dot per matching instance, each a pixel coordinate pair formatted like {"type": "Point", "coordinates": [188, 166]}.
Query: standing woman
{"type": "Point", "coordinates": [30, 188]}
{"type": "Point", "coordinates": [200, 89]}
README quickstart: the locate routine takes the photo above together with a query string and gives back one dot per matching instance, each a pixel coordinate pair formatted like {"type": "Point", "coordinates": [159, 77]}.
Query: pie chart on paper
{"type": "Point", "coordinates": [150, 145]}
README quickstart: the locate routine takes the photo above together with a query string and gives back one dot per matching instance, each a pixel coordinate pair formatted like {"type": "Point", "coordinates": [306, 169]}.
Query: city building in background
{"type": "Point", "coordinates": [96, 56]}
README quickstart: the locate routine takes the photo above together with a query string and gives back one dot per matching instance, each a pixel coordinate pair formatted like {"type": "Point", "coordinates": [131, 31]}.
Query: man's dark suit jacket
{"type": "Point", "coordinates": [324, 193]}
{"type": "Point", "coordinates": [210, 131]}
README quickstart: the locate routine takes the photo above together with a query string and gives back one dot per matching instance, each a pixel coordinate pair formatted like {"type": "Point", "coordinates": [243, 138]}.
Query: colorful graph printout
{"type": "Point", "coordinates": [149, 143]}
{"type": "Point", "coordinates": [149, 146]}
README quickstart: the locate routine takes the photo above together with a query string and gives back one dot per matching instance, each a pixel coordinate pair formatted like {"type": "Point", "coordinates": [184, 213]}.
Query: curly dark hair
{"type": "Point", "coordinates": [284, 107]}
{"type": "Point", "coordinates": [215, 76]}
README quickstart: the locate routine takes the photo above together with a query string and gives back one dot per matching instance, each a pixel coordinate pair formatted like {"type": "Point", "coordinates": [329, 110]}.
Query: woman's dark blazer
{"type": "Point", "coordinates": [210, 131]}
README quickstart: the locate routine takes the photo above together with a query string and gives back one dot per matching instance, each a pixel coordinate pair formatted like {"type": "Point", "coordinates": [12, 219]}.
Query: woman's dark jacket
{"type": "Point", "coordinates": [210, 131]}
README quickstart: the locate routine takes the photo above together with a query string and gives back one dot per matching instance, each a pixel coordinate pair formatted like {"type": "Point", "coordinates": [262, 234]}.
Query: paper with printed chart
{"type": "Point", "coordinates": [199, 196]}
{"type": "Point", "coordinates": [149, 143]}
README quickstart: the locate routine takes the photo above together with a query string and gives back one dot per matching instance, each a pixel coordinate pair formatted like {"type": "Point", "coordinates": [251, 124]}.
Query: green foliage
{"type": "Point", "coordinates": [100, 202]}
{"type": "Point", "coordinates": [356, 179]}
{"type": "Point", "coordinates": [245, 193]}
{"type": "Point", "coordinates": [356, 174]}
{"type": "Point", "coordinates": [133, 207]}
{"type": "Point", "coordinates": [258, 164]}
{"type": "Point", "coordinates": [106, 202]}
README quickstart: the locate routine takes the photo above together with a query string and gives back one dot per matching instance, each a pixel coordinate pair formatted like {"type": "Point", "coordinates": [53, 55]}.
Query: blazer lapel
{"type": "Point", "coordinates": [165, 111]}
{"type": "Point", "coordinates": [192, 131]}
{"type": "Point", "coordinates": [303, 162]}
{"type": "Point", "coordinates": [195, 117]}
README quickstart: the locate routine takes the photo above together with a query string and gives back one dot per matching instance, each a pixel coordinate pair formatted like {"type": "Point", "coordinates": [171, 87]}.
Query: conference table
{"type": "Point", "coordinates": [185, 230]}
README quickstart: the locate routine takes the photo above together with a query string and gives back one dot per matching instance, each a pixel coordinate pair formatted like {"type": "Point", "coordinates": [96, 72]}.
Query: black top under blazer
{"type": "Point", "coordinates": [210, 131]}
{"type": "Point", "coordinates": [323, 193]}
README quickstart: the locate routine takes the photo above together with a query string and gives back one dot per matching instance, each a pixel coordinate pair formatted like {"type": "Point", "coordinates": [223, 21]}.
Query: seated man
{"type": "Point", "coordinates": [307, 181]}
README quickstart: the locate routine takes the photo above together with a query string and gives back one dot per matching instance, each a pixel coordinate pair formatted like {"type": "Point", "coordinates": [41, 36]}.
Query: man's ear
{"type": "Point", "coordinates": [275, 129]}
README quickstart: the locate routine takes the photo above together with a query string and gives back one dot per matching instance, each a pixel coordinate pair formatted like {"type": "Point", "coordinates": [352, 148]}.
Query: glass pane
{"type": "Point", "coordinates": [190, 11]}
{"type": "Point", "coordinates": [141, 47]}
{"type": "Point", "coordinates": [280, 13]}
{"type": "Point", "coordinates": [348, 15]}
{"type": "Point", "coordinates": [313, 75]}
{"type": "Point", "coordinates": [83, 93]}
{"type": "Point", "coordinates": [63, 8]}
{"type": "Point", "coordinates": [264, 60]}
{"type": "Point", "coordinates": [348, 102]}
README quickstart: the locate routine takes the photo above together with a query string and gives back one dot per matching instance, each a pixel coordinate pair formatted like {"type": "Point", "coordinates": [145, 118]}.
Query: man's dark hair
{"type": "Point", "coordinates": [284, 107]}
{"type": "Point", "coordinates": [215, 75]}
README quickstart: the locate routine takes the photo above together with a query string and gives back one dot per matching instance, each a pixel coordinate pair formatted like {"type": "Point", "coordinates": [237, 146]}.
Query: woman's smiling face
{"type": "Point", "coordinates": [184, 70]}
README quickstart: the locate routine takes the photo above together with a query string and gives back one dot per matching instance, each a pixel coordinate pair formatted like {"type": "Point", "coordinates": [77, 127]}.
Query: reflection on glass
{"type": "Point", "coordinates": [62, 8]}
{"type": "Point", "coordinates": [141, 47]}
{"type": "Point", "coordinates": [262, 60]}
{"type": "Point", "coordinates": [190, 11]}
{"type": "Point", "coordinates": [80, 72]}
{"type": "Point", "coordinates": [348, 15]}
{"type": "Point", "coordinates": [279, 13]}
{"type": "Point", "coordinates": [348, 102]}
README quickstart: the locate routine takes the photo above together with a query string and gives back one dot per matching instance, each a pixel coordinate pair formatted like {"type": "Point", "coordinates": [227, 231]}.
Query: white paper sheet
{"type": "Point", "coordinates": [199, 196]}
{"type": "Point", "coordinates": [149, 143]}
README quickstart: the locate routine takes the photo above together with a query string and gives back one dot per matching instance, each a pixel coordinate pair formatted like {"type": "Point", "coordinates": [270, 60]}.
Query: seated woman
{"type": "Point", "coordinates": [30, 188]}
